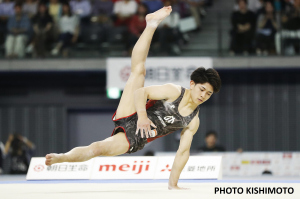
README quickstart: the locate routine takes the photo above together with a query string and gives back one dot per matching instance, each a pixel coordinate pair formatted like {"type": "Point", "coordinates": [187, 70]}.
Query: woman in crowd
{"type": "Point", "coordinates": [68, 26]}
{"type": "Point", "coordinates": [266, 30]}
{"type": "Point", "coordinates": [42, 26]}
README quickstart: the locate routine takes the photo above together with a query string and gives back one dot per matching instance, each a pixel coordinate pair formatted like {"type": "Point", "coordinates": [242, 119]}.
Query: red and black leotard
{"type": "Point", "coordinates": [163, 114]}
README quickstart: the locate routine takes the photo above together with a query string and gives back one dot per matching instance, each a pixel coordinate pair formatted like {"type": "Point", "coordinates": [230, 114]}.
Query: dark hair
{"type": "Point", "coordinates": [18, 4]}
{"type": "Point", "coordinates": [46, 10]}
{"type": "Point", "coordinates": [70, 12]}
{"type": "Point", "coordinates": [209, 133]}
{"type": "Point", "coordinates": [16, 145]}
{"type": "Point", "coordinates": [238, 1]}
{"type": "Point", "coordinates": [210, 75]}
{"type": "Point", "coordinates": [145, 6]}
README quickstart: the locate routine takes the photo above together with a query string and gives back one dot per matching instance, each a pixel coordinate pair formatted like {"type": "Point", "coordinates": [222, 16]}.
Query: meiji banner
{"type": "Point", "coordinates": [198, 167]}
{"type": "Point", "coordinates": [142, 167]}
{"type": "Point", "coordinates": [39, 171]}
{"type": "Point", "coordinates": [159, 70]}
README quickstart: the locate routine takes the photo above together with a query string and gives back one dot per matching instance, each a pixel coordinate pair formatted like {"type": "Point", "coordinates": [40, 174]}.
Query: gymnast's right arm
{"type": "Point", "coordinates": [166, 91]}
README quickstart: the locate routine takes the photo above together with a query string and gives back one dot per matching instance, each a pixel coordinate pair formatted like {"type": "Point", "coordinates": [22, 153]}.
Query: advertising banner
{"type": "Point", "coordinates": [200, 167]}
{"type": "Point", "coordinates": [39, 171]}
{"type": "Point", "coordinates": [158, 70]}
{"type": "Point", "coordinates": [138, 167]}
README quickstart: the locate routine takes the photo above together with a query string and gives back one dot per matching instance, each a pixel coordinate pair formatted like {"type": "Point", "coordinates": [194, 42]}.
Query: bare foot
{"type": "Point", "coordinates": [53, 158]}
{"type": "Point", "coordinates": [155, 18]}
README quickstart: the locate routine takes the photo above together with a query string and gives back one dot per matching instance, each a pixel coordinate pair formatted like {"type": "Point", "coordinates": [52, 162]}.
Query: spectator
{"type": "Point", "coordinates": [265, 39]}
{"type": "Point", "coordinates": [30, 8]}
{"type": "Point", "coordinates": [153, 5]}
{"type": "Point", "coordinates": [291, 25]}
{"type": "Point", "coordinates": [18, 27]}
{"type": "Point", "coordinates": [196, 8]}
{"type": "Point", "coordinates": [55, 10]}
{"type": "Point", "coordinates": [68, 29]}
{"type": "Point", "coordinates": [103, 9]}
{"type": "Point", "coordinates": [253, 5]}
{"type": "Point", "coordinates": [123, 11]}
{"type": "Point", "coordinates": [1, 157]}
{"type": "Point", "coordinates": [243, 23]}
{"type": "Point", "coordinates": [19, 149]}
{"type": "Point", "coordinates": [42, 26]}
{"type": "Point", "coordinates": [137, 26]}
{"type": "Point", "coordinates": [81, 8]}
{"type": "Point", "coordinates": [169, 32]}
{"type": "Point", "coordinates": [6, 11]}
{"type": "Point", "coordinates": [210, 143]}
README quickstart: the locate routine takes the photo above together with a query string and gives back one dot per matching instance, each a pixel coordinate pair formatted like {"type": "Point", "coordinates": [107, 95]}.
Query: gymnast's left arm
{"type": "Point", "coordinates": [183, 152]}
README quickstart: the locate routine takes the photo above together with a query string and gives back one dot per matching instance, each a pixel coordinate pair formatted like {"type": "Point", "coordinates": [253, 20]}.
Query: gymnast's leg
{"type": "Point", "coordinates": [117, 144]}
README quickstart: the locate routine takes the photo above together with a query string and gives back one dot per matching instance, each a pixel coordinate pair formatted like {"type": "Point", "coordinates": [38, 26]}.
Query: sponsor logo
{"type": "Point", "coordinates": [172, 106]}
{"type": "Point", "coordinates": [136, 168]}
{"type": "Point", "coordinates": [38, 168]}
{"type": "Point", "coordinates": [169, 119]}
{"type": "Point", "coordinates": [161, 120]}
{"type": "Point", "coordinates": [125, 73]}
{"type": "Point", "coordinates": [153, 133]}
{"type": "Point", "coordinates": [166, 169]}
{"type": "Point", "coordinates": [68, 168]}
{"type": "Point", "coordinates": [131, 149]}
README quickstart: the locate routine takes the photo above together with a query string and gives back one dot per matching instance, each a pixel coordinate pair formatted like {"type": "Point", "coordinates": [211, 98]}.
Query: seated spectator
{"type": "Point", "coordinates": [266, 29]}
{"type": "Point", "coordinates": [42, 26]}
{"type": "Point", "coordinates": [103, 9]}
{"type": "Point", "coordinates": [210, 143]}
{"type": "Point", "coordinates": [291, 25]}
{"type": "Point", "coordinates": [55, 10]}
{"type": "Point", "coordinates": [123, 11]}
{"type": "Point", "coordinates": [68, 31]}
{"type": "Point", "coordinates": [137, 26]}
{"type": "Point", "coordinates": [153, 5]}
{"type": "Point", "coordinates": [19, 150]}
{"type": "Point", "coordinates": [243, 27]}
{"type": "Point", "coordinates": [81, 8]}
{"type": "Point", "coordinates": [18, 27]}
{"type": "Point", "coordinates": [168, 32]}
{"type": "Point", "coordinates": [30, 8]}
{"type": "Point", "coordinates": [1, 156]}
{"type": "Point", "coordinates": [6, 11]}
{"type": "Point", "coordinates": [196, 7]}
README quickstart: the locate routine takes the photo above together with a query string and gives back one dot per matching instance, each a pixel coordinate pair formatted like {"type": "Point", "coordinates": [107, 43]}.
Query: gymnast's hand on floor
{"type": "Point", "coordinates": [143, 127]}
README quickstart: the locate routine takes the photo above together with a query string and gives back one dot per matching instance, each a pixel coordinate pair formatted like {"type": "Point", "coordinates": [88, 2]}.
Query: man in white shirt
{"type": "Point", "coordinates": [123, 10]}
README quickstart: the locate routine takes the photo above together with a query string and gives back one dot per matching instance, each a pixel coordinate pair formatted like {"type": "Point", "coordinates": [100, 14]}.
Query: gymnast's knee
{"type": "Point", "coordinates": [98, 149]}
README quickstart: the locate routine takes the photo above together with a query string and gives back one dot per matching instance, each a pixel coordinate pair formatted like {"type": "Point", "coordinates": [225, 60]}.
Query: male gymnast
{"type": "Point", "coordinates": [137, 122]}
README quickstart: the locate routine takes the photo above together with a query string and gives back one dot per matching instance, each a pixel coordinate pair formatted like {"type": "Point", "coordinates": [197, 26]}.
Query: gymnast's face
{"type": "Point", "coordinates": [200, 92]}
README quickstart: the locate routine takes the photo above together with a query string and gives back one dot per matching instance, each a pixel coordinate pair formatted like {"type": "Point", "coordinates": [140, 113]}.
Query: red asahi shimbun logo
{"type": "Point", "coordinates": [125, 73]}
{"type": "Point", "coordinates": [39, 168]}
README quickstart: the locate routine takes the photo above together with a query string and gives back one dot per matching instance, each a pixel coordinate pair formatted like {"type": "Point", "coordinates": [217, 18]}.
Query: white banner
{"type": "Point", "coordinates": [39, 171]}
{"type": "Point", "coordinates": [200, 167]}
{"type": "Point", "coordinates": [142, 167]}
{"type": "Point", "coordinates": [159, 70]}
{"type": "Point", "coordinates": [255, 163]}
{"type": "Point", "coordinates": [135, 167]}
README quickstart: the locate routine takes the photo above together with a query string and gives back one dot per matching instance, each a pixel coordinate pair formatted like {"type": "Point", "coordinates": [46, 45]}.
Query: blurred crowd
{"type": "Point", "coordinates": [42, 28]}
{"type": "Point", "coordinates": [265, 27]}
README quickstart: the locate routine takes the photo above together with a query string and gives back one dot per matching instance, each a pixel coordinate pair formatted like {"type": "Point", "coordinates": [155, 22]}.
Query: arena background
{"type": "Point", "coordinates": [59, 103]}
